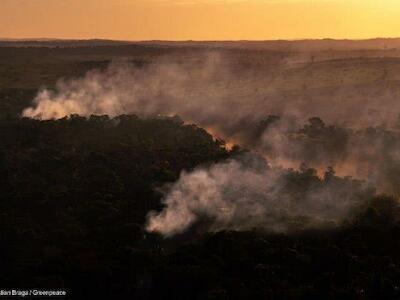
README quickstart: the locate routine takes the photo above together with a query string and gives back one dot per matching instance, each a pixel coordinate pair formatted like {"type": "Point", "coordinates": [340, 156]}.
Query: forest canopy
{"type": "Point", "coordinates": [78, 190]}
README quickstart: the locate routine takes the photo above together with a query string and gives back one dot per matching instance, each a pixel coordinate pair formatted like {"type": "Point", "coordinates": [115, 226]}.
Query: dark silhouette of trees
{"type": "Point", "coordinates": [73, 201]}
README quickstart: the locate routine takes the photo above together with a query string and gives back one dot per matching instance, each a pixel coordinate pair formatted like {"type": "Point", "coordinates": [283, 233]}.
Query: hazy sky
{"type": "Point", "coordinates": [199, 19]}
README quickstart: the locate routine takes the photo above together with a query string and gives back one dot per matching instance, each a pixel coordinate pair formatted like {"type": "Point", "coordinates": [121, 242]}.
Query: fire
{"type": "Point", "coordinates": [229, 144]}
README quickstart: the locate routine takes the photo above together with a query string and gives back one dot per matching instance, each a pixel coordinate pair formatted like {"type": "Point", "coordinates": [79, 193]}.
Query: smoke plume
{"type": "Point", "coordinates": [218, 92]}
{"type": "Point", "coordinates": [247, 194]}
{"type": "Point", "coordinates": [271, 110]}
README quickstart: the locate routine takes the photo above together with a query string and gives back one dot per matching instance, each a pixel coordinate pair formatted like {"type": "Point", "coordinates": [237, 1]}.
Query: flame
{"type": "Point", "coordinates": [229, 143]}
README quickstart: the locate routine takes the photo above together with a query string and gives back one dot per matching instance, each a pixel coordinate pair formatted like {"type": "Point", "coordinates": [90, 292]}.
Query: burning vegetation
{"type": "Point", "coordinates": [290, 193]}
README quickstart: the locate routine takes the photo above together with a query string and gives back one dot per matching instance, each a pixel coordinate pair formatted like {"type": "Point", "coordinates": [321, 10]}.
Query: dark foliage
{"type": "Point", "coordinates": [73, 201]}
{"type": "Point", "coordinates": [76, 191]}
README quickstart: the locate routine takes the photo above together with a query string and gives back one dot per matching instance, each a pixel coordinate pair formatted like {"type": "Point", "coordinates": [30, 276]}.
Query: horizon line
{"type": "Point", "coordinates": [45, 39]}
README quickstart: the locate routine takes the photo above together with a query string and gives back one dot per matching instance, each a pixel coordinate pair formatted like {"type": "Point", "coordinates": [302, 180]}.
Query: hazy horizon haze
{"type": "Point", "coordinates": [202, 20]}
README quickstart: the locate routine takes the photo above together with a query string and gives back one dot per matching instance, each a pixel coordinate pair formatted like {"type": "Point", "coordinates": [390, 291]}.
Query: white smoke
{"type": "Point", "coordinates": [215, 93]}
{"type": "Point", "coordinates": [247, 194]}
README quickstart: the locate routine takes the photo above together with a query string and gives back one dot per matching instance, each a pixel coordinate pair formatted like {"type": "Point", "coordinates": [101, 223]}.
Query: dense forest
{"type": "Point", "coordinates": [76, 192]}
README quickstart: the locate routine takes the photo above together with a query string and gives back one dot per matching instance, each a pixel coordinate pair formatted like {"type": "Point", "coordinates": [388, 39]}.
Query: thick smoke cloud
{"type": "Point", "coordinates": [219, 92]}
{"type": "Point", "coordinates": [246, 194]}
{"type": "Point", "coordinates": [268, 110]}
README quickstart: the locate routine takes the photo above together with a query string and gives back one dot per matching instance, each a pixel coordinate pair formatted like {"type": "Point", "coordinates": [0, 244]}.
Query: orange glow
{"type": "Point", "coordinates": [229, 144]}
{"type": "Point", "coordinates": [199, 19]}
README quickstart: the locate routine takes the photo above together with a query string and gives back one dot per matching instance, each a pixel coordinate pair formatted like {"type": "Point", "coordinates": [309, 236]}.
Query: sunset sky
{"type": "Point", "coordinates": [199, 19]}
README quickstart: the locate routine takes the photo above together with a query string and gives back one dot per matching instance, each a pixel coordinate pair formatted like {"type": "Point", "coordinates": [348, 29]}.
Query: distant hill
{"type": "Point", "coordinates": [53, 43]}
{"type": "Point", "coordinates": [278, 45]}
